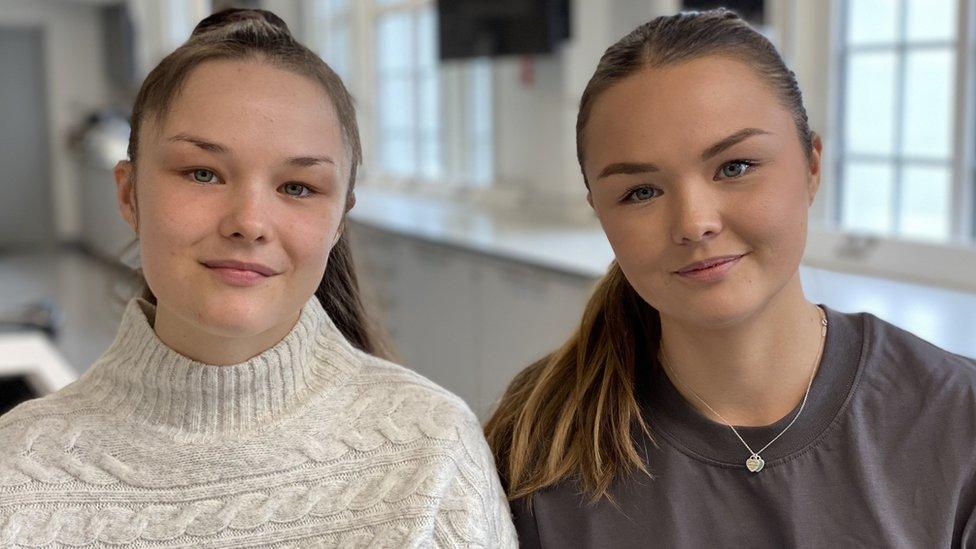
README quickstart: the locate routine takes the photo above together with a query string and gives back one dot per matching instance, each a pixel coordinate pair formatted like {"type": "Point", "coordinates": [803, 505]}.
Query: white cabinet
{"type": "Point", "coordinates": [465, 320]}
{"type": "Point", "coordinates": [527, 312]}
{"type": "Point", "coordinates": [436, 316]}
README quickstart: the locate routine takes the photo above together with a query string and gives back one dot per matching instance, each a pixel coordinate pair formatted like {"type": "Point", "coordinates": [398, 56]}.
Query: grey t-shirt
{"type": "Point", "coordinates": [883, 455]}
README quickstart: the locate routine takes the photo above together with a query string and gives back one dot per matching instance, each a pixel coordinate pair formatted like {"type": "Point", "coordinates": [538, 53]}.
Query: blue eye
{"type": "Point", "coordinates": [640, 194]}
{"type": "Point", "coordinates": [299, 186]}
{"type": "Point", "coordinates": [200, 176]}
{"type": "Point", "coordinates": [736, 168]}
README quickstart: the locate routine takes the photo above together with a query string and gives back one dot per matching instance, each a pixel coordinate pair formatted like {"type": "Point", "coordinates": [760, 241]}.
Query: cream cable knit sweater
{"type": "Point", "coordinates": [310, 444]}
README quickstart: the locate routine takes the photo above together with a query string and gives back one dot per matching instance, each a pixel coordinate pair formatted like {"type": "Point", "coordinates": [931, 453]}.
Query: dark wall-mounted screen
{"type": "Point", "coordinates": [476, 28]}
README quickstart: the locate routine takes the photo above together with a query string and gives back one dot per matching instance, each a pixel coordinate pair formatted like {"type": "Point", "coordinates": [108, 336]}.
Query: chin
{"type": "Point", "coordinates": [229, 315]}
{"type": "Point", "coordinates": [708, 311]}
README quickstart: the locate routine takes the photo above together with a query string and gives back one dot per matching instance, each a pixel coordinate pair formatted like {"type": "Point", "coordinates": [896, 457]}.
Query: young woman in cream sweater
{"type": "Point", "coordinates": [241, 402]}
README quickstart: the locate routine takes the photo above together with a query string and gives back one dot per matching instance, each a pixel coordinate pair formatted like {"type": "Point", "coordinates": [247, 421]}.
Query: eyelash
{"type": "Point", "coordinates": [628, 196]}
{"type": "Point", "coordinates": [311, 193]}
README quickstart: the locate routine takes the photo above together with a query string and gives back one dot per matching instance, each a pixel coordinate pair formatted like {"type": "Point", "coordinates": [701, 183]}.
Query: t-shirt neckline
{"type": "Point", "coordinates": [674, 419]}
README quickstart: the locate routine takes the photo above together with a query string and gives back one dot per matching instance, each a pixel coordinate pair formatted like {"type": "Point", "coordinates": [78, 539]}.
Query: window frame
{"type": "Point", "coordinates": [949, 264]}
{"type": "Point", "coordinates": [453, 85]}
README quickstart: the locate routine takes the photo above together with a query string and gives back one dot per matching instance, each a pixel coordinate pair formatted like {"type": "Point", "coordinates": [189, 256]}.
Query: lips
{"type": "Point", "coordinates": [240, 265]}
{"type": "Point", "coordinates": [710, 262]}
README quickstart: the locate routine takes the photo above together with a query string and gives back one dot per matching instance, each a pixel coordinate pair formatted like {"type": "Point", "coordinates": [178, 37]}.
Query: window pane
{"type": "Point", "coordinates": [180, 25]}
{"type": "Point", "coordinates": [337, 50]}
{"type": "Point", "coordinates": [396, 103]}
{"type": "Point", "coordinates": [929, 102]}
{"type": "Point", "coordinates": [932, 19]}
{"type": "Point", "coordinates": [866, 200]}
{"type": "Point", "coordinates": [427, 38]}
{"type": "Point", "coordinates": [479, 139]}
{"type": "Point", "coordinates": [480, 154]}
{"type": "Point", "coordinates": [925, 211]}
{"type": "Point", "coordinates": [870, 104]}
{"type": "Point", "coordinates": [398, 154]}
{"type": "Point", "coordinates": [429, 103]}
{"type": "Point", "coordinates": [430, 156]}
{"type": "Point", "coordinates": [394, 48]}
{"type": "Point", "coordinates": [479, 90]}
{"type": "Point", "coordinates": [872, 21]}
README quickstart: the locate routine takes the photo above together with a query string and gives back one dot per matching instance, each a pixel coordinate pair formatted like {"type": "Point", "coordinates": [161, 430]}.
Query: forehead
{"type": "Point", "coordinates": [249, 102]}
{"type": "Point", "coordinates": [683, 107]}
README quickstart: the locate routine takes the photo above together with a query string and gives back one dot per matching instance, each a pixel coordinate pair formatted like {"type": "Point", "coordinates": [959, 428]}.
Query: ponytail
{"type": "Point", "coordinates": [339, 294]}
{"type": "Point", "coordinates": [573, 413]}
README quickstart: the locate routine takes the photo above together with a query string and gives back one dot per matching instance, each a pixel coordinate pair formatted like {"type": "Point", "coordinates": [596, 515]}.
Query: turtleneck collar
{"type": "Point", "coordinates": [141, 379]}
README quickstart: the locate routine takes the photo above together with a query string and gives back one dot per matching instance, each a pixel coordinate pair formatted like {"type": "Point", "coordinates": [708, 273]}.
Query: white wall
{"type": "Point", "coordinates": [535, 124]}
{"type": "Point", "coordinates": [76, 83]}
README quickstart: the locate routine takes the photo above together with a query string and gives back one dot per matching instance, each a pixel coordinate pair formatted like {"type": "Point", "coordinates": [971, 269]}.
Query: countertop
{"type": "Point", "coordinates": [945, 317]}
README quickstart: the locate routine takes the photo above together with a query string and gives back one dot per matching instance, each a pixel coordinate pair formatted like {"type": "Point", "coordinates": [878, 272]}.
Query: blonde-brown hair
{"type": "Point", "coordinates": [262, 35]}
{"type": "Point", "coordinates": [574, 414]}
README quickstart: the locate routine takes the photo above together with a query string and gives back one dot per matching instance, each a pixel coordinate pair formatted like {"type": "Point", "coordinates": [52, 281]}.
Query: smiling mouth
{"type": "Point", "coordinates": [710, 264]}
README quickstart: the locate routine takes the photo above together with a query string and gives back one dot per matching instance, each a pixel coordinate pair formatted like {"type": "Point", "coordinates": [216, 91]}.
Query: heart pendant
{"type": "Point", "coordinates": [755, 463]}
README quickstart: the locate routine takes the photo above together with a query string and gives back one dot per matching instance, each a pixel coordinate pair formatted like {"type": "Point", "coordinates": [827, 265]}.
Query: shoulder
{"type": "Point", "coordinates": [891, 347]}
{"type": "Point", "coordinates": [410, 397]}
{"type": "Point", "coordinates": [905, 378]}
{"type": "Point", "coordinates": [407, 407]}
{"type": "Point", "coordinates": [52, 409]}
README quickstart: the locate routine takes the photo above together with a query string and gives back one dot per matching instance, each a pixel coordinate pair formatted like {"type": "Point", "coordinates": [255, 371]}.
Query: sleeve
{"type": "Point", "coordinates": [475, 511]}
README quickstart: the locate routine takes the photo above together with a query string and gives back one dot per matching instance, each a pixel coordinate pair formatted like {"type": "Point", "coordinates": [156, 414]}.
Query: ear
{"type": "Point", "coordinates": [589, 198]}
{"type": "Point", "coordinates": [813, 183]}
{"type": "Point", "coordinates": [350, 200]}
{"type": "Point", "coordinates": [125, 192]}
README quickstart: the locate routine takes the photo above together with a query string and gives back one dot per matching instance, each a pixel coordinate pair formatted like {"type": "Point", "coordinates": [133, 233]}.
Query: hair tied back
{"type": "Point", "coordinates": [233, 16]}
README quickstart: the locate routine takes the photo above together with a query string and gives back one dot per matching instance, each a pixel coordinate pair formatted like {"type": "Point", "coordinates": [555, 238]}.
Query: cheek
{"type": "Point", "coordinates": [169, 222]}
{"type": "Point", "coordinates": [638, 240]}
{"type": "Point", "coordinates": [163, 243]}
{"type": "Point", "coordinates": [775, 221]}
{"type": "Point", "coordinates": [310, 237]}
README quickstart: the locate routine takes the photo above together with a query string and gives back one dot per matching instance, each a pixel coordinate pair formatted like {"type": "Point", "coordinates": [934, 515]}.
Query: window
{"type": "Point", "coordinates": [334, 20]}
{"type": "Point", "coordinates": [428, 121]}
{"type": "Point", "coordinates": [898, 118]}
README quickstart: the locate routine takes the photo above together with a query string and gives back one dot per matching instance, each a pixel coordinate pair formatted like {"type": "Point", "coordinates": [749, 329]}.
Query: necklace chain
{"type": "Point", "coordinates": [755, 462]}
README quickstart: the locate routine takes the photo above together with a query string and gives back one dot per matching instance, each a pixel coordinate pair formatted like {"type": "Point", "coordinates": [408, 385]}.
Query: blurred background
{"type": "Point", "coordinates": [474, 241]}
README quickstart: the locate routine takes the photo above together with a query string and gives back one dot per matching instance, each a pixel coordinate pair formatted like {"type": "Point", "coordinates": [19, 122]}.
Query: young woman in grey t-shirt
{"type": "Point", "coordinates": [704, 401]}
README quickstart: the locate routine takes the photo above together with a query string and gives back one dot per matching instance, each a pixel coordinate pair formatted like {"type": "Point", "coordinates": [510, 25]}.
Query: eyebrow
{"type": "Point", "coordinates": [646, 167]}
{"type": "Point", "coordinates": [217, 148]}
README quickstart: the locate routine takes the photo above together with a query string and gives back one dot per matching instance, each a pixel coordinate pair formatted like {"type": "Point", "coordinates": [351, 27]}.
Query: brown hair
{"type": "Point", "coordinates": [574, 414]}
{"type": "Point", "coordinates": [262, 35]}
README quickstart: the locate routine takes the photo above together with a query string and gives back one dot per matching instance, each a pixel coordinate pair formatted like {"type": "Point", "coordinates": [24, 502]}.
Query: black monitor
{"type": "Point", "coordinates": [478, 28]}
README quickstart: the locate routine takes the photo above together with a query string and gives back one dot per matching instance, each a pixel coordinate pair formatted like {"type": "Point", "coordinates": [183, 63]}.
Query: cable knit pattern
{"type": "Point", "coordinates": [312, 443]}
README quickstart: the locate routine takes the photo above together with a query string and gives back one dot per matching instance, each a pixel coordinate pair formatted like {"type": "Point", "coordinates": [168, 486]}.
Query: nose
{"type": "Point", "coordinates": [696, 214]}
{"type": "Point", "coordinates": [246, 215]}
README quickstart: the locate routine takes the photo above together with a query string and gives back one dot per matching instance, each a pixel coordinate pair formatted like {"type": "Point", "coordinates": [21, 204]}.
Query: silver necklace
{"type": "Point", "coordinates": [755, 463]}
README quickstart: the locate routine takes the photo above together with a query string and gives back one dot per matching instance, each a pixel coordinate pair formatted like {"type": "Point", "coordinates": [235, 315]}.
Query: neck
{"type": "Point", "coordinates": [753, 372]}
{"type": "Point", "coordinates": [207, 345]}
